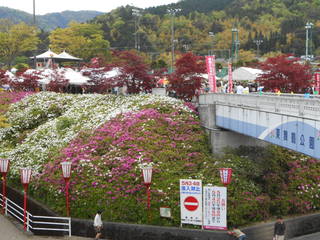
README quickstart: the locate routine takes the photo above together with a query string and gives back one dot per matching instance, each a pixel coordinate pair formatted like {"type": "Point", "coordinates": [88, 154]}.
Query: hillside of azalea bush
{"type": "Point", "coordinates": [108, 139]}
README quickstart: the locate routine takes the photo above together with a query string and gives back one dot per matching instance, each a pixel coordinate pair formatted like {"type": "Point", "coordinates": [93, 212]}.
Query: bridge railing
{"type": "Point", "coordinates": [290, 104]}
{"type": "Point", "coordinates": [36, 223]}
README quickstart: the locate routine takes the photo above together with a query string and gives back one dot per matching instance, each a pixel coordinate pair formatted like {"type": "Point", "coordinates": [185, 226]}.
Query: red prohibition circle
{"type": "Point", "coordinates": [191, 203]}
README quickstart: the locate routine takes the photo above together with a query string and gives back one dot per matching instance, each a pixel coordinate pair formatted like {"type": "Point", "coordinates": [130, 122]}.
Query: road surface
{"type": "Point", "coordinates": [12, 231]}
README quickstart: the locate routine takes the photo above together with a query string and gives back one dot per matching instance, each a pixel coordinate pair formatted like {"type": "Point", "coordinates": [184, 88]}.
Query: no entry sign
{"type": "Point", "coordinates": [191, 201]}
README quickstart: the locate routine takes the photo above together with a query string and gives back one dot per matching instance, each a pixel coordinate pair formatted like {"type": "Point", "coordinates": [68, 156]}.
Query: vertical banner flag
{"type": "Point", "coordinates": [191, 201]}
{"type": "Point", "coordinates": [211, 70]}
{"type": "Point", "coordinates": [317, 78]}
{"type": "Point", "coordinates": [230, 82]}
{"type": "Point", "coordinates": [215, 207]}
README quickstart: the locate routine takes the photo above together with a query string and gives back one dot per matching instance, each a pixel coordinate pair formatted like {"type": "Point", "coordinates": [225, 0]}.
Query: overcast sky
{"type": "Point", "coordinates": [49, 6]}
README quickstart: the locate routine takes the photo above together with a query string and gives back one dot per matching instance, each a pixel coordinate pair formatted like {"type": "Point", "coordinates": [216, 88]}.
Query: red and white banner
{"type": "Point", "coordinates": [191, 201]}
{"type": "Point", "coordinates": [317, 82]}
{"type": "Point", "coordinates": [230, 82]}
{"type": "Point", "coordinates": [215, 207]}
{"type": "Point", "coordinates": [211, 70]}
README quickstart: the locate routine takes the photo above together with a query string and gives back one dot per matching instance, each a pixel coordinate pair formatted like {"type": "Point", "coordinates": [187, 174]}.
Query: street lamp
{"type": "Point", "coordinates": [225, 175]}
{"type": "Point", "coordinates": [172, 12]}
{"type": "Point", "coordinates": [147, 175]}
{"type": "Point", "coordinates": [25, 180]}
{"type": "Point", "coordinates": [4, 168]}
{"type": "Point", "coordinates": [258, 42]}
{"type": "Point", "coordinates": [308, 27]}
{"type": "Point", "coordinates": [211, 34]}
{"type": "Point", "coordinates": [66, 172]}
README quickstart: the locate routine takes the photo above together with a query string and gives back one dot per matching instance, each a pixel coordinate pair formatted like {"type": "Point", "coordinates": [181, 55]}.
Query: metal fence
{"type": "Point", "coordinates": [36, 223]}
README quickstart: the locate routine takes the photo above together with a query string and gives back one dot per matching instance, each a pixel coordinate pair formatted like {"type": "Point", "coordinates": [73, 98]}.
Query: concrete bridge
{"type": "Point", "coordinates": [288, 120]}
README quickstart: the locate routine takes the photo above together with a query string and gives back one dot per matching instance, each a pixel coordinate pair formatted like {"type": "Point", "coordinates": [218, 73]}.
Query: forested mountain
{"type": "Point", "coordinates": [48, 21]}
{"type": "Point", "coordinates": [279, 24]}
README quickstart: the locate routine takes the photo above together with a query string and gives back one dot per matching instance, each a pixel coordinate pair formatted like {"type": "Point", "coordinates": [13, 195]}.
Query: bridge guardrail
{"type": "Point", "coordinates": [297, 106]}
{"type": "Point", "coordinates": [35, 222]}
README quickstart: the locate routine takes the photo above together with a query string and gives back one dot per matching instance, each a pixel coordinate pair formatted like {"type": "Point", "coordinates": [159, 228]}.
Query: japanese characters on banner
{"type": "Point", "coordinates": [191, 201]}
{"type": "Point", "coordinates": [230, 82]}
{"type": "Point", "coordinates": [317, 78]}
{"type": "Point", "coordinates": [215, 207]}
{"type": "Point", "coordinates": [211, 70]}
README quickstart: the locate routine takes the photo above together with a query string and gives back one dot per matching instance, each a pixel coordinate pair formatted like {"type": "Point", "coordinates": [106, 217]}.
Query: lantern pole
{"type": "Point", "coordinates": [25, 180]}
{"type": "Point", "coordinates": [225, 176]}
{"type": "Point", "coordinates": [147, 176]}
{"type": "Point", "coordinates": [4, 168]}
{"type": "Point", "coordinates": [66, 172]}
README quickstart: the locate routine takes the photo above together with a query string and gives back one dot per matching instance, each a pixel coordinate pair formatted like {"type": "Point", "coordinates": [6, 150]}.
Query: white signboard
{"type": "Point", "coordinates": [215, 207]}
{"type": "Point", "coordinates": [191, 201]}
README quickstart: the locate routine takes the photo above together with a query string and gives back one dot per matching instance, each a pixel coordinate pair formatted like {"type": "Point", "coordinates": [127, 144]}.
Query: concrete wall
{"type": "Point", "coordinates": [118, 231]}
{"type": "Point", "coordinates": [297, 226]}
{"type": "Point", "coordinates": [222, 138]}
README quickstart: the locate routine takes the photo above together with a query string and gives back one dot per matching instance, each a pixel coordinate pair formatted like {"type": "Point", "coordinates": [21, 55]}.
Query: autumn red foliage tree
{"type": "Point", "coordinates": [187, 79]}
{"type": "Point", "coordinates": [3, 78]}
{"type": "Point", "coordinates": [133, 72]}
{"type": "Point", "coordinates": [58, 83]}
{"type": "Point", "coordinates": [286, 74]}
{"type": "Point", "coordinates": [25, 81]}
{"type": "Point", "coordinates": [99, 81]}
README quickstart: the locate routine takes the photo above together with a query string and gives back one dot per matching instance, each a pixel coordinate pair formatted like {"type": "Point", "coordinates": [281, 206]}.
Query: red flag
{"type": "Point", "coordinates": [230, 82]}
{"type": "Point", "coordinates": [211, 69]}
{"type": "Point", "coordinates": [317, 78]}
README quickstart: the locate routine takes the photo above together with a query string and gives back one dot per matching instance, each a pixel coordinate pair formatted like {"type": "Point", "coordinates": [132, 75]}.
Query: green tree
{"type": "Point", "coordinates": [80, 39]}
{"type": "Point", "coordinates": [16, 40]}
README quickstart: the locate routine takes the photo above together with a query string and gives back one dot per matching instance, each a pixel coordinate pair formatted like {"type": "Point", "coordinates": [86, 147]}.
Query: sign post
{"type": "Point", "coordinates": [191, 201]}
{"type": "Point", "coordinates": [215, 207]}
{"type": "Point", "coordinates": [211, 70]}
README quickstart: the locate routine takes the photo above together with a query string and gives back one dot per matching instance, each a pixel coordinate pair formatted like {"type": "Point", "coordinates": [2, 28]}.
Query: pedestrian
{"type": "Point", "coordinates": [237, 233]}
{"type": "Point", "coordinates": [279, 229]}
{"type": "Point", "coordinates": [98, 225]}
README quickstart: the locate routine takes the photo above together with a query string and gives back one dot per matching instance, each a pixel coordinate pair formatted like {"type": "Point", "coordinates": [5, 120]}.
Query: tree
{"type": "Point", "coordinates": [58, 82]}
{"type": "Point", "coordinates": [26, 81]}
{"type": "Point", "coordinates": [134, 72]}
{"type": "Point", "coordinates": [286, 74]}
{"type": "Point", "coordinates": [80, 39]}
{"type": "Point", "coordinates": [16, 40]}
{"type": "Point", "coordinates": [186, 80]}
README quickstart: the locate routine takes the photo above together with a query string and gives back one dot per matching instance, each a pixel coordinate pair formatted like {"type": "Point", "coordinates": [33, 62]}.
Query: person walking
{"type": "Point", "coordinates": [98, 225]}
{"type": "Point", "coordinates": [279, 229]}
{"type": "Point", "coordinates": [237, 233]}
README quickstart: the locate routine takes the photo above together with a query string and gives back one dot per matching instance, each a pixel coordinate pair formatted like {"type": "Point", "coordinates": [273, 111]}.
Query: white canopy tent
{"type": "Point", "coordinates": [245, 74]}
{"type": "Point", "coordinates": [50, 59]}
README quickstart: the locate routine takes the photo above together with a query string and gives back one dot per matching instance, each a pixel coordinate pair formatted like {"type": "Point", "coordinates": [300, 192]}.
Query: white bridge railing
{"type": "Point", "coordinates": [37, 223]}
{"type": "Point", "coordinates": [289, 104]}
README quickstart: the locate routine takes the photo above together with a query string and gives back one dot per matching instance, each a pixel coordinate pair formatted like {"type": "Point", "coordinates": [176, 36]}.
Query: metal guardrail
{"type": "Point", "coordinates": [35, 222]}
{"type": "Point", "coordinates": [291, 104]}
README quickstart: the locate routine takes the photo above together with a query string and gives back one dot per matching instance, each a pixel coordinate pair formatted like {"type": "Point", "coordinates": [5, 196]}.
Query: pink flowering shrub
{"type": "Point", "coordinates": [106, 170]}
{"type": "Point", "coordinates": [7, 98]}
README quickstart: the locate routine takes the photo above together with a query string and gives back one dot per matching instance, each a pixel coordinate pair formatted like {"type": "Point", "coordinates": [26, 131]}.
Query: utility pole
{"type": "Point", "coordinates": [258, 42]}
{"type": "Point", "coordinates": [136, 13]}
{"type": "Point", "coordinates": [34, 24]}
{"type": "Point", "coordinates": [211, 35]}
{"type": "Point", "coordinates": [172, 12]}
{"type": "Point", "coordinates": [235, 44]}
{"type": "Point", "coordinates": [308, 27]}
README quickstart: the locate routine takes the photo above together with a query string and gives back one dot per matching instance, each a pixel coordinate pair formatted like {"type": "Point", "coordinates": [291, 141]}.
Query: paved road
{"type": "Point", "coordinates": [314, 236]}
{"type": "Point", "coordinates": [12, 231]}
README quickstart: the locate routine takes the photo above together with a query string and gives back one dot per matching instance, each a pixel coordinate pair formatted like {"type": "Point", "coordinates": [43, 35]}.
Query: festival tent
{"type": "Point", "coordinates": [66, 56]}
{"type": "Point", "coordinates": [245, 74]}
